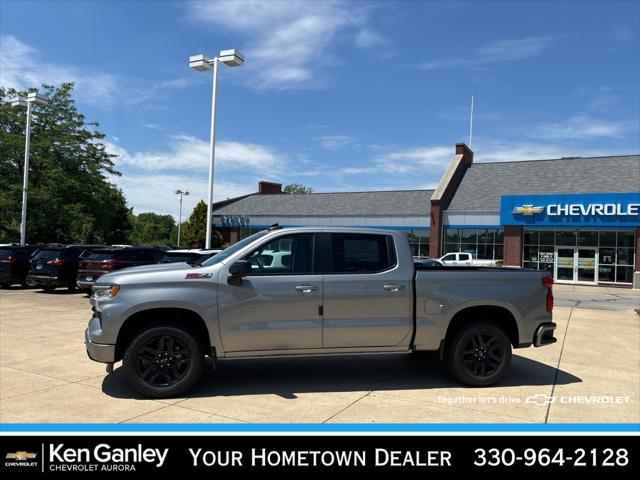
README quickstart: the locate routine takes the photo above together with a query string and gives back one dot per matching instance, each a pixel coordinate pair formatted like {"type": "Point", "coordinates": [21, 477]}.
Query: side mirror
{"type": "Point", "coordinates": [239, 269]}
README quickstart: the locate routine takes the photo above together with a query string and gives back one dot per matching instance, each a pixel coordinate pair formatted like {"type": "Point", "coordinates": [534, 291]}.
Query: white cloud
{"type": "Point", "coordinates": [288, 42]}
{"type": "Point", "coordinates": [22, 67]}
{"type": "Point", "coordinates": [155, 192]}
{"type": "Point", "coordinates": [496, 52]}
{"type": "Point", "coordinates": [189, 153]}
{"type": "Point", "coordinates": [368, 38]}
{"type": "Point", "coordinates": [580, 127]}
{"type": "Point", "coordinates": [335, 142]}
{"type": "Point", "coordinates": [411, 160]}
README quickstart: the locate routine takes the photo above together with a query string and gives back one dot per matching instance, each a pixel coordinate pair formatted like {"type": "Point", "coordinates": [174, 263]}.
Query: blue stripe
{"type": "Point", "coordinates": [314, 427]}
{"type": "Point", "coordinates": [385, 227]}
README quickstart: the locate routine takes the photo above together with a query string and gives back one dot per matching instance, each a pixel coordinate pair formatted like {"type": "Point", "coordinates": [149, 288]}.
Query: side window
{"type": "Point", "coordinates": [449, 257]}
{"type": "Point", "coordinates": [289, 254]}
{"type": "Point", "coordinates": [361, 253]}
{"type": "Point", "coordinates": [465, 257]}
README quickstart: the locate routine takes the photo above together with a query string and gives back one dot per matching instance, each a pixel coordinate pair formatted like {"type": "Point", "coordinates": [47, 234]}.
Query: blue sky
{"type": "Point", "coordinates": [339, 96]}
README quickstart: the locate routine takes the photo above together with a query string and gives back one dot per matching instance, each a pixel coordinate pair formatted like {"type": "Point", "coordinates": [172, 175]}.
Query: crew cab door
{"type": "Point", "coordinates": [367, 296]}
{"type": "Point", "coordinates": [277, 306]}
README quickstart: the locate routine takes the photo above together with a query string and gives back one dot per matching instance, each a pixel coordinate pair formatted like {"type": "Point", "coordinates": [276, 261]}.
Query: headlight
{"type": "Point", "coordinates": [105, 292]}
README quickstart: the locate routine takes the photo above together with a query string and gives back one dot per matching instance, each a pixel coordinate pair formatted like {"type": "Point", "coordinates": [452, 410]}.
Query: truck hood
{"type": "Point", "coordinates": [157, 272]}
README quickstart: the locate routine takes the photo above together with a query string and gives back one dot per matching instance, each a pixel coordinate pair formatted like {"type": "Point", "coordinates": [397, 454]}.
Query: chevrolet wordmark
{"type": "Point", "coordinates": [313, 291]}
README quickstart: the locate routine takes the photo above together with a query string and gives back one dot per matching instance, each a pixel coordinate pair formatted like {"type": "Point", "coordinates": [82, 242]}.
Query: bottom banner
{"type": "Point", "coordinates": [51, 456]}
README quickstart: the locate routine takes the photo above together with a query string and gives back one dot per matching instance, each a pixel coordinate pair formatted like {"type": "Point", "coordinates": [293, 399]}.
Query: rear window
{"type": "Point", "coordinates": [361, 253]}
{"type": "Point", "coordinates": [47, 253]}
{"type": "Point", "coordinates": [6, 252]}
{"type": "Point", "coordinates": [97, 256]}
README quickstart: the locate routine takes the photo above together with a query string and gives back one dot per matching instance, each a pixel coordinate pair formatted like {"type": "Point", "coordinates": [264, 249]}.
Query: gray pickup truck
{"type": "Point", "coordinates": [313, 291]}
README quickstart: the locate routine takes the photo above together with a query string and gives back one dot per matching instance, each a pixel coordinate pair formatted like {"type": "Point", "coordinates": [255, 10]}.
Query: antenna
{"type": "Point", "coordinates": [471, 121]}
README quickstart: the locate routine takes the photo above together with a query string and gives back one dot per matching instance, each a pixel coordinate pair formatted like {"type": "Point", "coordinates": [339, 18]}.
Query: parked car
{"type": "Point", "coordinates": [197, 255]}
{"type": "Point", "coordinates": [427, 262]}
{"type": "Point", "coordinates": [466, 259]}
{"type": "Point", "coordinates": [344, 290]}
{"type": "Point", "coordinates": [103, 260]}
{"type": "Point", "coordinates": [14, 264]}
{"type": "Point", "coordinates": [55, 266]}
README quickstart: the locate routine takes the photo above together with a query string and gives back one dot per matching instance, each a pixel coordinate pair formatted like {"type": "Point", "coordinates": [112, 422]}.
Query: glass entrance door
{"type": "Point", "coordinates": [587, 271]}
{"type": "Point", "coordinates": [576, 265]}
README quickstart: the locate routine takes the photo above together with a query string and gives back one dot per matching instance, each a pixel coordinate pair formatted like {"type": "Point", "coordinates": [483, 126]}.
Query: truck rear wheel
{"type": "Point", "coordinates": [479, 354]}
{"type": "Point", "coordinates": [163, 362]}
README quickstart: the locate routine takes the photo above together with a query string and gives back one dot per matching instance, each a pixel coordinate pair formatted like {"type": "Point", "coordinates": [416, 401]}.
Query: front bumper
{"type": "Point", "coordinates": [98, 352]}
{"type": "Point", "coordinates": [544, 335]}
{"type": "Point", "coordinates": [83, 284]}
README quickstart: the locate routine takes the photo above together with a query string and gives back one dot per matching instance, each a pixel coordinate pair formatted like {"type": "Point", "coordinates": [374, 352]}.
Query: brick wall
{"type": "Point", "coordinates": [513, 240]}
{"type": "Point", "coordinates": [437, 206]}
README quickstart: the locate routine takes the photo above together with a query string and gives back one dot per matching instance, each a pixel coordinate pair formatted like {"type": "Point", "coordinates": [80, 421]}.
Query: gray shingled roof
{"type": "Point", "coordinates": [484, 183]}
{"type": "Point", "coordinates": [398, 202]}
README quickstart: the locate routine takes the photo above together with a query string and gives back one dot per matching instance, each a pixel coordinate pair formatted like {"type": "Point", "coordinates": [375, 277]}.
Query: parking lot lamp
{"type": "Point", "coordinates": [202, 63]}
{"type": "Point", "coordinates": [33, 98]}
{"type": "Point", "coordinates": [181, 193]}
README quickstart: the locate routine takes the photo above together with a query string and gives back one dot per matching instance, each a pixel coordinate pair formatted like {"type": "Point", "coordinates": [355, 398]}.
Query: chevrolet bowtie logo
{"type": "Point", "coordinates": [21, 456]}
{"type": "Point", "coordinates": [528, 210]}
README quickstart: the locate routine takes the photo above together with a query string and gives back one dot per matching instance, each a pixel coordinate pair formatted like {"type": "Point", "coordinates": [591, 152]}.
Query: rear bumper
{"type": "Point", "coordinates": [544, 335]}
{"type": "Point", "coordinates": [98, 352]}
{"type": "Point", "coordinates": [45, 280]}
{"type": "Point", "coordinates": [84, 284]}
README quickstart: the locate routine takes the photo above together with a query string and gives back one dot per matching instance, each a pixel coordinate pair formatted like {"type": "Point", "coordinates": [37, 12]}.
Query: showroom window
{"type": "Point", "coordinates": [419, 242]}
{"type": "Point", "coordinates": [482, 243]}
{"type": "Point", "coordinates": [615, 251]}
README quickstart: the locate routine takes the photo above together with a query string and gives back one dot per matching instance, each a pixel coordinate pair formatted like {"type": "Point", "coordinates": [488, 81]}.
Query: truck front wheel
{"type": "Point", "coordinates": [479, 354]}
{"type": "Point", "coordinates": [163, 361]}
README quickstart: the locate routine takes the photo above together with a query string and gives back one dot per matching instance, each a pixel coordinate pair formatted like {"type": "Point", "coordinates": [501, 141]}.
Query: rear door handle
{"type": "Point", "coordinates": [306, 288]}
{"type": "Point", "coordinates": [394, 287]}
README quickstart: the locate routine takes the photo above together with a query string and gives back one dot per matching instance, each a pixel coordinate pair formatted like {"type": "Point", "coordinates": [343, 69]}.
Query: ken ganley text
{"type": "Point", "coordinates": [262, 457]}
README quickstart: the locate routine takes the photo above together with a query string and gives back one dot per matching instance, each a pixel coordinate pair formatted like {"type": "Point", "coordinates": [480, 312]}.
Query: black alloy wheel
{"type": "Point", "coordinates": [483, 354]}
{"type": "Point", "coordinates": [163, 361]}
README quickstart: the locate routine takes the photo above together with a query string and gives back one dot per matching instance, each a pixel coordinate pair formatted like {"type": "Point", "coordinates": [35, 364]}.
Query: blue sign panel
{"type": "Point", "coordinates": [582, 210]}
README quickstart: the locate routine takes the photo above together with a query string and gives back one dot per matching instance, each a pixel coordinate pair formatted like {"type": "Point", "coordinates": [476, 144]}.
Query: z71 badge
{"type": "Point", "coordinates": [193, 276]}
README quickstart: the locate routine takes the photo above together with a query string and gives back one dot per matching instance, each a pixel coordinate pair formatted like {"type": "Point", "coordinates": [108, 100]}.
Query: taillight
{"type": "Point", "coordinates": [8, 260]}
{"type": "Point", "coordinates": [56, 262]}
{"type": "Point", "coordinates": [547, 281]}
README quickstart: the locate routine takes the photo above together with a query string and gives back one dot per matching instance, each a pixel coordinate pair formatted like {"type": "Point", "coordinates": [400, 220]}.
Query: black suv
{"type": "Point", "coordinates": [57, 266]}
{"type": "Point", "coordinates": [14, 264]}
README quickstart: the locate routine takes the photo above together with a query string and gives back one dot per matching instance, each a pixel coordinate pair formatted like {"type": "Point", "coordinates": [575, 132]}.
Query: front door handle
{"type": "Point", "coordinates": [394, 287]}
{"type": "Point", "coordinates": [306, 288]}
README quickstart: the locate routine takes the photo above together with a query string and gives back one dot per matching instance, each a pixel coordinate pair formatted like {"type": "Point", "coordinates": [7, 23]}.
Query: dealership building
{"type": "Point", "coordinates": [578, 218]}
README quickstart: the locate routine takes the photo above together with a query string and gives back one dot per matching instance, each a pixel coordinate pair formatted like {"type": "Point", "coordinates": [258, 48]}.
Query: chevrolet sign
{"type": "Point", "coordinates": [528, 210]}
{"type": "Point", "coordinates": [587, 210]}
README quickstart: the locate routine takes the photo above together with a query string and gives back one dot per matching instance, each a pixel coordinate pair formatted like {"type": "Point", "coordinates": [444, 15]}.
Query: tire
{"type": "Point", "coordinates": [479, 354]}
{"type": "Point", "coordinates": [153, 372]}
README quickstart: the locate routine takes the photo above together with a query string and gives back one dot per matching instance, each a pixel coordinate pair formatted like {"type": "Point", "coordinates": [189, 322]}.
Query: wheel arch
{"type": "Point", "coordinates": [153, 317]}
{"type": "Point", "coordinates": [495, 314]}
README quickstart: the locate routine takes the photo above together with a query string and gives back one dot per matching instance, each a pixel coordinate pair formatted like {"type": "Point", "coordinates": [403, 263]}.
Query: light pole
{"type": "Point", "coordinates": [37, 99]}
{"type": "Point", "coordinates": [202, 63]}
{"type": "Point", "coordinates": [181, 193]}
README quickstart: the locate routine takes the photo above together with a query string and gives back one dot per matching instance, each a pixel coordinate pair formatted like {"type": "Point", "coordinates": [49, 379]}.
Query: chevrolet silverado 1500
{"type": "Point", "coordinates": [313, 291]}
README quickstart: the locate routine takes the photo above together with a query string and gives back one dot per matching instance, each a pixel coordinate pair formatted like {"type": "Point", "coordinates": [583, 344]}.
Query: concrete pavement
{"type": "Point", "coordinates": [591, 375]}
{"type": "Point", "coordinates": [598, 298]}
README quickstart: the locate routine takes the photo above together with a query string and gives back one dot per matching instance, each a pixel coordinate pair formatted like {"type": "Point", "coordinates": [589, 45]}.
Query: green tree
{"type": "Point", "coordinates": [297, 188]}
{"type": "Point", "coordinates": [70, 196]}
{"type": "Point", "coordinates": [194, 230]}
{"type": "Point", "coordinates": [152, 229]}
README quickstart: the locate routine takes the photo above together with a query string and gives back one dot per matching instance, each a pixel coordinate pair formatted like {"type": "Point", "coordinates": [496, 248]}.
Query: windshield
{"type": "Point", "coordinates": [217, 258]}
